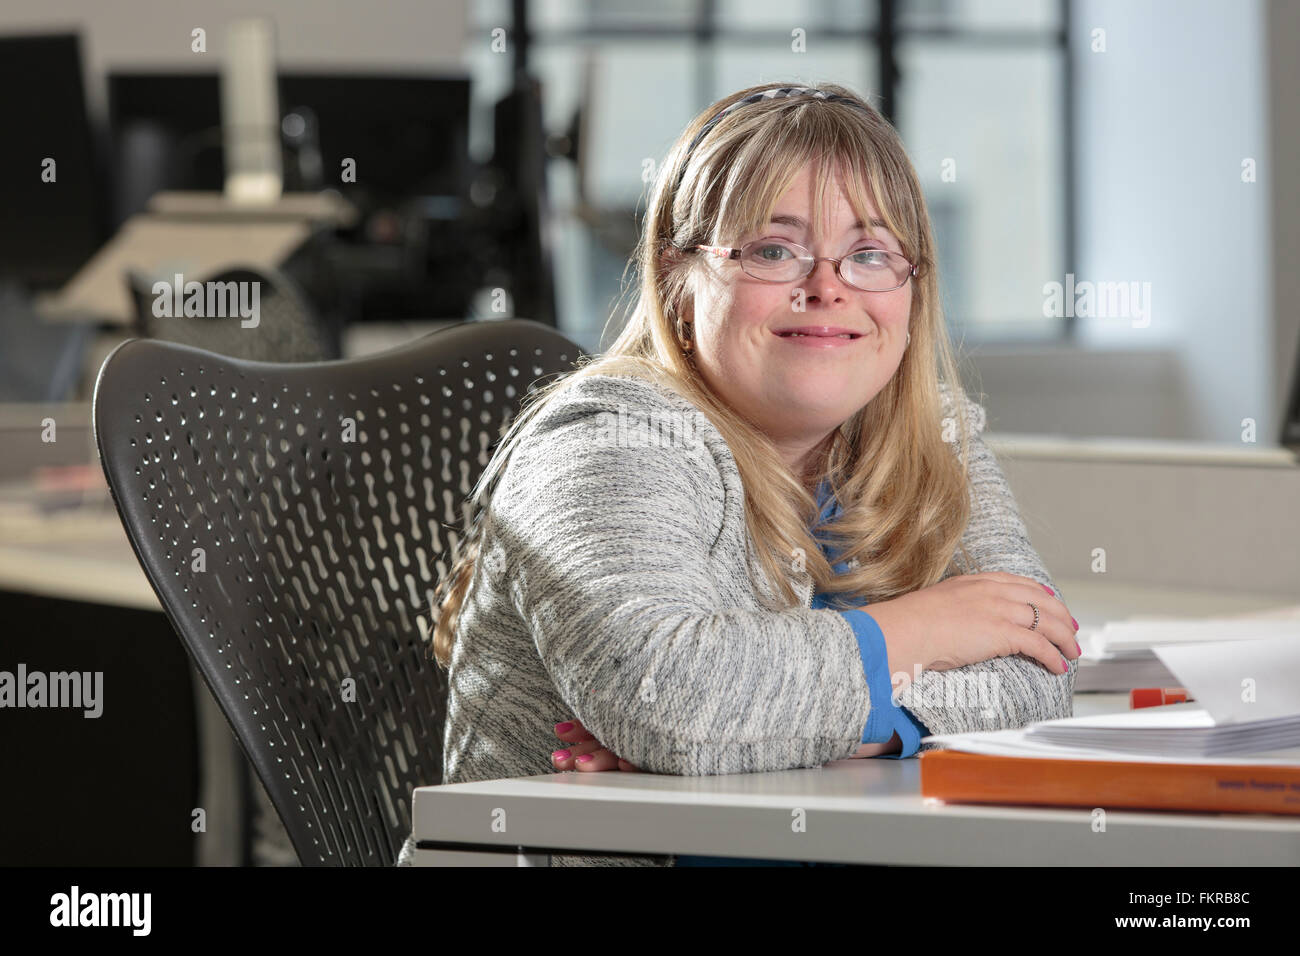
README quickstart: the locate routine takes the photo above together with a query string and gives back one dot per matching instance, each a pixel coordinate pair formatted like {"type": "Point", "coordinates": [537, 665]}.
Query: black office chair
{"type": "Point", "coordinates": [288, 329]}
{"type": "Point", "coordinates": [298, 566]}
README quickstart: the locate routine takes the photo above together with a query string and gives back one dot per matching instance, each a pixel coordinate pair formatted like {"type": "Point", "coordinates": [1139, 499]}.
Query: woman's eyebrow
{"type": "Point", "coordinates": [786, 219]}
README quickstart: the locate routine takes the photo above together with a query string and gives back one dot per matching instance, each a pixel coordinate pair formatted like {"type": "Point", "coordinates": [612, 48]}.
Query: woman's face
{"type": "Point", "coordinates": [798, 390]}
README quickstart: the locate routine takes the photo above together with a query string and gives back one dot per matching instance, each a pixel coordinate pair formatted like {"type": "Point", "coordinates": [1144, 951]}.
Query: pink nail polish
{"type": "Point", "coordinates": [1078, 648]}
{"type": "Point", "coordinates": [561, 754]}
{"type": "Point", "coordinates": [563, 728]}
{"type": "Point", "coordinates": [1049, 590]}
{"type": "Point", "coordinates": [584, 758]}
{"type": "Point", "coordinates": [1076, 624]}
{"type": "Point", "coordinates": [1066, 662]}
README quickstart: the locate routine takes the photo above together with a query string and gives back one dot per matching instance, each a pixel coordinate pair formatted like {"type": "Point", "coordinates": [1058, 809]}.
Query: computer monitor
{"type": "Point", "coordinates": [520, 156]}
{"type": "Point", "coordinates": [166, 134]}
{"type": "Point", "coordinates": [408, 134]}
{"type": "Point", "coordinates": [50, 228]}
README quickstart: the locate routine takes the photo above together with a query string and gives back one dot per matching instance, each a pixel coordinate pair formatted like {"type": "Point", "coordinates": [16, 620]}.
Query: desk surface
{"type": "Point", "coordinates": [158, 245]}
{"type": "Point", "coordinates": [78, 555]}
{"type": "Point", "coordinates": [856, 811]}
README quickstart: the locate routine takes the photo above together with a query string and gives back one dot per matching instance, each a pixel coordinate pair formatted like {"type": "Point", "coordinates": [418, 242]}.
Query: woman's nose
{"type": "Point", "coordinates": [824, 277]}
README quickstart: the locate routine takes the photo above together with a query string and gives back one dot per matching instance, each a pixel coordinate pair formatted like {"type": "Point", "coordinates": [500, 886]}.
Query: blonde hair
{"type": "Point", "coordinates": [904, 494]}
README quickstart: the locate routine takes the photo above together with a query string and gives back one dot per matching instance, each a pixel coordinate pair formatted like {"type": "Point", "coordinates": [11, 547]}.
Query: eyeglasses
{"type": "Point", "coordinates": [779, 260]}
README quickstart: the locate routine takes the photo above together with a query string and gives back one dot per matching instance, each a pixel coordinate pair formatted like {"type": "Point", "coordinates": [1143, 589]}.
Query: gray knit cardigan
{"type": "Point", "coordinates": [612, 587]}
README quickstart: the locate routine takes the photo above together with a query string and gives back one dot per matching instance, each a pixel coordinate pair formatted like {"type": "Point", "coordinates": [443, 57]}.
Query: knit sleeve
{"type": "Point", "coordinates": [1002, 692]}
{"type": "Point", "coordinates": [608, 547]}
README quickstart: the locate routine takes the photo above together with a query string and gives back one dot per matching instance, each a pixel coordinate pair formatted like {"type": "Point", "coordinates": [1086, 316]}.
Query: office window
{"type": "Point", "coordinates": [992, 179]}
{"type": "Point", "coordinates": [548, 16]}
{"type": "Point", "coordinates": [981, 14]}
{"type": "Point", "coordinates": [982, 107]}
{"type": "Point", "coordinates": [737, 65]}
{"type": "Point", "coordinates": [735, 15]}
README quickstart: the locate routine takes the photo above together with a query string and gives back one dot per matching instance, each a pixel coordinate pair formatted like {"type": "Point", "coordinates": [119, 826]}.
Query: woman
{"type": "Point", "coordinates": [710, 548]}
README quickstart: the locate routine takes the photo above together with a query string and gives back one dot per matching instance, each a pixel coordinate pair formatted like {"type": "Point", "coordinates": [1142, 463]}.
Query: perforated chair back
{"type": "Point", "coordinates": [287, 327]}
{"type": "Point", "coordinates": [294, 520]}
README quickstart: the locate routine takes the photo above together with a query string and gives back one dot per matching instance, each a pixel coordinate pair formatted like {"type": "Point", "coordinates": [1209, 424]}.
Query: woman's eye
{"type": "Point", "coordinates": [870, 257]}
{"type": "Point", "coordinates": [775, 252]}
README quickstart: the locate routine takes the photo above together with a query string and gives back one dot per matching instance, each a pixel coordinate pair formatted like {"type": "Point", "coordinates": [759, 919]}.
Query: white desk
{"type": "Point", "coordinates": [858, 811]}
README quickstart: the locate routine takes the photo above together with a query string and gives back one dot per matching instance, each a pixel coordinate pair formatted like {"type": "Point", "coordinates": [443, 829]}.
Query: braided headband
{"type": "Point", "coordinates": [776, 93]}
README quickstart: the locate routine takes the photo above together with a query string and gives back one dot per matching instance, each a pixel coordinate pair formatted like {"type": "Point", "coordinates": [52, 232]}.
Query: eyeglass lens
{"type": "Point", "coordinates": [868, 269]}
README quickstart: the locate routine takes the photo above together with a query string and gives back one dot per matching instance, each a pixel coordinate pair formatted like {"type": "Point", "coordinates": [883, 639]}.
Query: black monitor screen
{"type": "Point", "coordinates": [408, 135]}
{"type": "Point", "coordinates": [49, 228]}
{"type": "Point", "coordinates": [166, 132]}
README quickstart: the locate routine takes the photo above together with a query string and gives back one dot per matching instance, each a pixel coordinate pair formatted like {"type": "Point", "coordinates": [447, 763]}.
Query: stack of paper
{"type": "Point", "coordinates": [1247, 703]}
{"type": "Point", "coordinates": [1107, 671]}
{"type": "Point", "coordinates": [1120, 656]}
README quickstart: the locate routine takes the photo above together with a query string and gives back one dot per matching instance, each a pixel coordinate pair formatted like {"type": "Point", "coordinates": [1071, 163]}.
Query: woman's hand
{"type": "Point", "coordinates": [894, 745]}
{"type": "Point", "coordinates": [572, 732]}
{"type": "Point", "coordinates": [975, 617]}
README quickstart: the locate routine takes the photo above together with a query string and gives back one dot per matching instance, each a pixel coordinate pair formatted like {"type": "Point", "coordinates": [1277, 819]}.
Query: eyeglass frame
{"type": "Point", "coordinates": [731, 253]}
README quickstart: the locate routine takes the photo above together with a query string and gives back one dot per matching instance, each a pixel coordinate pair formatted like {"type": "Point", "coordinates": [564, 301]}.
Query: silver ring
{"type": "Point", "coordinates": [1035, 607]}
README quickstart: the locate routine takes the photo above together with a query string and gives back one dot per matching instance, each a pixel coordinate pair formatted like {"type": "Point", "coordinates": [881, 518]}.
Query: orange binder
{"type": "Point", "coordinates": [957, 777]}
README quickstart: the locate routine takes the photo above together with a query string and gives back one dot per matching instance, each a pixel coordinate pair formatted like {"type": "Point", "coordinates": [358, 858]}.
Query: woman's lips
{"type": "Point", "coordinates": [819, 338]}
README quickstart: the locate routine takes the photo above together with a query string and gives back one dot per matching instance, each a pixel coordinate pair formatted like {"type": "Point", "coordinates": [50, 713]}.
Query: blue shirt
{"type": "Point", "coordinates": [886, 717]}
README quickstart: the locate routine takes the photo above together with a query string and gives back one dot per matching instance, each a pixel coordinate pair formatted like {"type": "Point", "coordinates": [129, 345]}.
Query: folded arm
{"type": "Point", "coordinates": [610, 565]}
{"type": "Point", "coordinates": [1002, 692]}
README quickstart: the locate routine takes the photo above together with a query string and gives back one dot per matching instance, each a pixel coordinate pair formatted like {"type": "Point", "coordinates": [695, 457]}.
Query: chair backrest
{"type": "Point", "coordinates": [295, 520]}
{"type": "Point", "coordinates": [287, 329]}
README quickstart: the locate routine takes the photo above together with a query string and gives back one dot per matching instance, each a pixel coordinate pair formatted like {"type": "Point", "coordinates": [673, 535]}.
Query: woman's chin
{"type": "Point", "coordinates": [823, 398]}
{"type": "Point", "coordinates": [816, 412]}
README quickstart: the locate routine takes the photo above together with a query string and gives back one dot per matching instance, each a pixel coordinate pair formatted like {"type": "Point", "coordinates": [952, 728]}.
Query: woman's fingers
{"type": "Point", "coordinates": [575, 734]}
{"type": "Point", "coordinates": [582, 743]}
{"type": "Point", "coordinates": [572, 752]}
{"type": "Point", "coordinates": [1039, 647]}
{"type": "Point", "coordinates": [1054, 620]}
{"type": "Point", "coordinates": [1054, 637]}
{"type": "Point", "coordinates": [601, 759]}
{"type": "Point", "coordinates": [1052, 641]}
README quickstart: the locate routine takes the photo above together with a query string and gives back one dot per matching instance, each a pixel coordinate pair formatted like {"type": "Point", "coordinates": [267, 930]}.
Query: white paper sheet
{"type": "Point", "coordinates": [1014, 743]}
{"type": "Point", "coordinates": [1246, 709]}
{"type": "Point", "coordinates": [1239, 681]}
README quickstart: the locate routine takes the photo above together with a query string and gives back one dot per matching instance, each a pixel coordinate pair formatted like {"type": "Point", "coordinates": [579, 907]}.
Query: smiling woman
{"type": "Point", "coordinates": [788, 323]}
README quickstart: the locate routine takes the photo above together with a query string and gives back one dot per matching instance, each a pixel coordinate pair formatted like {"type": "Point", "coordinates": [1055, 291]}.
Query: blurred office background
{"type": "Point", "coordinates": [1112, 142]}
{"type": "Point", "coordinates": [502, 149]}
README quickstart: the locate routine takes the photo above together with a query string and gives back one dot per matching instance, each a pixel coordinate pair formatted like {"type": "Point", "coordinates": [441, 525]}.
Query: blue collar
{"type": "Point", "coordinates": [829, 507]}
